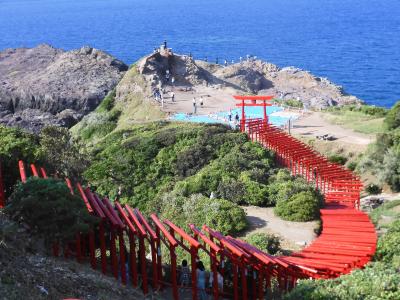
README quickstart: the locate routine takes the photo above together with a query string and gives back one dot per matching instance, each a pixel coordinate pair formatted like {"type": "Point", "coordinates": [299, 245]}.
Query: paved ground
{"type": "Point", "coordinates": [294, 234]}
{"type": "Point", "coordinates": [312, 124]}
{"type": "Point", "coordinates": [214, 99]}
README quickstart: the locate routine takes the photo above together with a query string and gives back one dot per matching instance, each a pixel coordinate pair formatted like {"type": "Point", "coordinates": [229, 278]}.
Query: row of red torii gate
{"type": "Point", "coordinates": [127, 245]}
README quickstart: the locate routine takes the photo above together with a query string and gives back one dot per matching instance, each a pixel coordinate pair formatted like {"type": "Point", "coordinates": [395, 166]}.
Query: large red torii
{"type": "Point", "coordinates": [253, 102]}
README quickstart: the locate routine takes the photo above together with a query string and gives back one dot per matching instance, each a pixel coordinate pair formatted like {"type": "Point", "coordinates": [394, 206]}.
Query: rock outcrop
{"type": "Point", "coordinates": [248, 76]}
{"type": "Point", "coordinates": [47, 86]}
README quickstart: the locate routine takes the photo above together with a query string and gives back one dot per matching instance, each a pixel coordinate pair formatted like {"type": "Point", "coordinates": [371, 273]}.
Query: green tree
{"type": "Point", "coordinates": [61, 153]}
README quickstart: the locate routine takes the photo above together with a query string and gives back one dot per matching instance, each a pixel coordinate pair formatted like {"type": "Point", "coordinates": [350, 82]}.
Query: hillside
{"type": "Point", "coordinates": [28, 272]}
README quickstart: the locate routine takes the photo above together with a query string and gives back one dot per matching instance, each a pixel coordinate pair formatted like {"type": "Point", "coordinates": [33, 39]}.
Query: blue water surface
{"type": "Point", "coordinates": [222, 117]}
{"type": "Point", "coordinates": [355, 43]}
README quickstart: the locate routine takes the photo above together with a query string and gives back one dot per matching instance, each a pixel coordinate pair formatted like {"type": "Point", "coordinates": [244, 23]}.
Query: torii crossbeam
{"type": "Point", "coordinates": [244, 102]}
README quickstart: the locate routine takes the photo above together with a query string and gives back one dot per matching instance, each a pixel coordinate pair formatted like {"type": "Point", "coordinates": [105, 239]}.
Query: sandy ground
{"type": "Point", "coordinates": [214, 99]}
{"type": "Point", "coordinates": [312, 124]}
{"type": "Point", "coordinates": [294, 235]}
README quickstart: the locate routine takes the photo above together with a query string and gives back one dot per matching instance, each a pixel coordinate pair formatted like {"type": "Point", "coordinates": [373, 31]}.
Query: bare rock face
{"type": "Point", "coordinates": [47, 86]}
{"type": "Point", "coordinates": [249, 76]}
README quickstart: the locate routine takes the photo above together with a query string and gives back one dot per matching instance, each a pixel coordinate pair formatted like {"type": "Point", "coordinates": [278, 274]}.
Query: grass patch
{"type": "Point", "coordinates": [385, 210]}
{"type": "Point", "coordinates": [356, 120]}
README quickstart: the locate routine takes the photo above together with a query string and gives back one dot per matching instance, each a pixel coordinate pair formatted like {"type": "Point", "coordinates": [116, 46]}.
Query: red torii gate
{"type": "Point", "coordinates": [253, 102]}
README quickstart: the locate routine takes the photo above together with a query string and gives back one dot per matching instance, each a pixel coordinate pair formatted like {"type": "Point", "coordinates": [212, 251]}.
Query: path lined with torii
{"type": "Point", "coordinates": [348, 238]}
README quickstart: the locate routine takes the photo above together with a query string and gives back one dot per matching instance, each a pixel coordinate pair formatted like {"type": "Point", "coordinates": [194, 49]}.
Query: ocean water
{"type": "Point", "coordinates": [355, 43]}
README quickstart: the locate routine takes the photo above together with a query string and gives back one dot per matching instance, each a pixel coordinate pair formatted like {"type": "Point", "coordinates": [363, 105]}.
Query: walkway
{"type": "Point", "coordinates": [347, 241]}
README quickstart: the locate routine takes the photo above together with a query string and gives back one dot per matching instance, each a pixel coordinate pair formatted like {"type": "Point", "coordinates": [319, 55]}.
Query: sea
{"type": "Point", "coordinates": [354, 43]}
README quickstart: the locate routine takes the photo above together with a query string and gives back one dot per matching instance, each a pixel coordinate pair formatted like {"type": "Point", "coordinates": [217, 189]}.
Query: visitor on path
{"type": "Point", "coordinates": [216, 61]}
{"type": "Point", "coordinates": [165, 44]}
{"type": "Point", "coordinates": [225, 63]}
{"type": "Point", "coordinates": [194, 106]}
{"type": "Point", "coordinates": [201, 280]}
{"type": "Point", "coordinates": [230, 116]}
{"type": "Point", "coordinates": [172, 96]}
{"type": "Point", "coordinates": [172, 80]}
{"type": "Point", "coordinates": [237, 117]}
{"type": "Point", "coordinates": [167, 75]}
{"type": "Point", "coordinates": [220, 280]}
{"type": "Point", "coordinates": [201, 101]}
{"type": "Point", "coordinates": [212, 195]}
{"type": "Point", "coordinates": [184, 279]}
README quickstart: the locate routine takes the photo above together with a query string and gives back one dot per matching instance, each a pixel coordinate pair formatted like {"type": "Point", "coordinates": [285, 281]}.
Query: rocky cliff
{"type": "Point", "coordinates": [43, 85]}
{"type": "Point", "coordinates": [249, 76]}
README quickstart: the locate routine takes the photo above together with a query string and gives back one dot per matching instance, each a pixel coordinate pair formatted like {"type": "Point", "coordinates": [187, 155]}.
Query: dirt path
{"type": "Point", "coordinates": [294, 235]}
{"type": "Point", "coordinates": [312, 124]}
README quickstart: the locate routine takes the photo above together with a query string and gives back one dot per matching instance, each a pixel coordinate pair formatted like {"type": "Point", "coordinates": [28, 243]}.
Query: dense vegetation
{"type": "Point", "coordinates": [49, 209]}
{"type": "Point", "coordinates": [175, 169]}
{"type": "Point", "coordinates": [379, 280]}
{"type": "Point", "coordinates": [15, 144]}
{"type": "Point", "coordinates": [382, 158]}
{"type": "Point", "coordinates": [54, 149]}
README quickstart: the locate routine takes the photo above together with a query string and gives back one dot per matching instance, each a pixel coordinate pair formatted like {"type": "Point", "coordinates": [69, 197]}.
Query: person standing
{"type": "Point", "coordinates": [185, 274]}
{"type": "Point", "coordinates": [201, 280]}
{"type": "Point", "coordinates": [172, 96]}
{"type": "Point", "coordinates": [201, 101]}
{"type": "Point", "coordinates": [194, 106]}
{"type": "Point", "coordinates": [172, 80]}
{"type": "Point", "coordinates": [237, 117]}
{"type": "Point", "coordinates": [230, 115]}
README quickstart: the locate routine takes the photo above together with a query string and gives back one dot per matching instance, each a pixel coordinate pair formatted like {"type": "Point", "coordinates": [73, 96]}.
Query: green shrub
{"type": "Point", "coordinates": [377, 281]}
{"type": "Point", "coordinates": [388, 247]}
{"type": "Point", "coordinates": [108, 102]}
{"type": "Point", "coordinates": [221, 215]}
{"type": "Point", "coordinates": [373, 189]}
{"type": "Point", "coordinates": [15, 145]}
{"type": "Point", "coordinates": [301, 207]}
{"type": "Point", "coordinates": [352, 165]}
{"type": "Point", "coordinates": [49, 209]}
{"type": "Point", "coordinates": [338, 159]}
{"type": "Point", "coordinates": [294, 103]}
{"type": "Point", "coordinates": [282, 186]}
{"type": "Point", "coordinates": [266, 242]}
{"type": "Point", "coordinates": [392, 120]}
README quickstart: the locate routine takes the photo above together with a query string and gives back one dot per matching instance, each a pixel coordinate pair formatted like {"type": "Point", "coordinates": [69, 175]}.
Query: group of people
{"type": "Point", "coordinates": [201, 275]}
{"type": "Point", "coordinates": [158, 95]}
{"type": "Point", "coordinates": [195, 104]}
